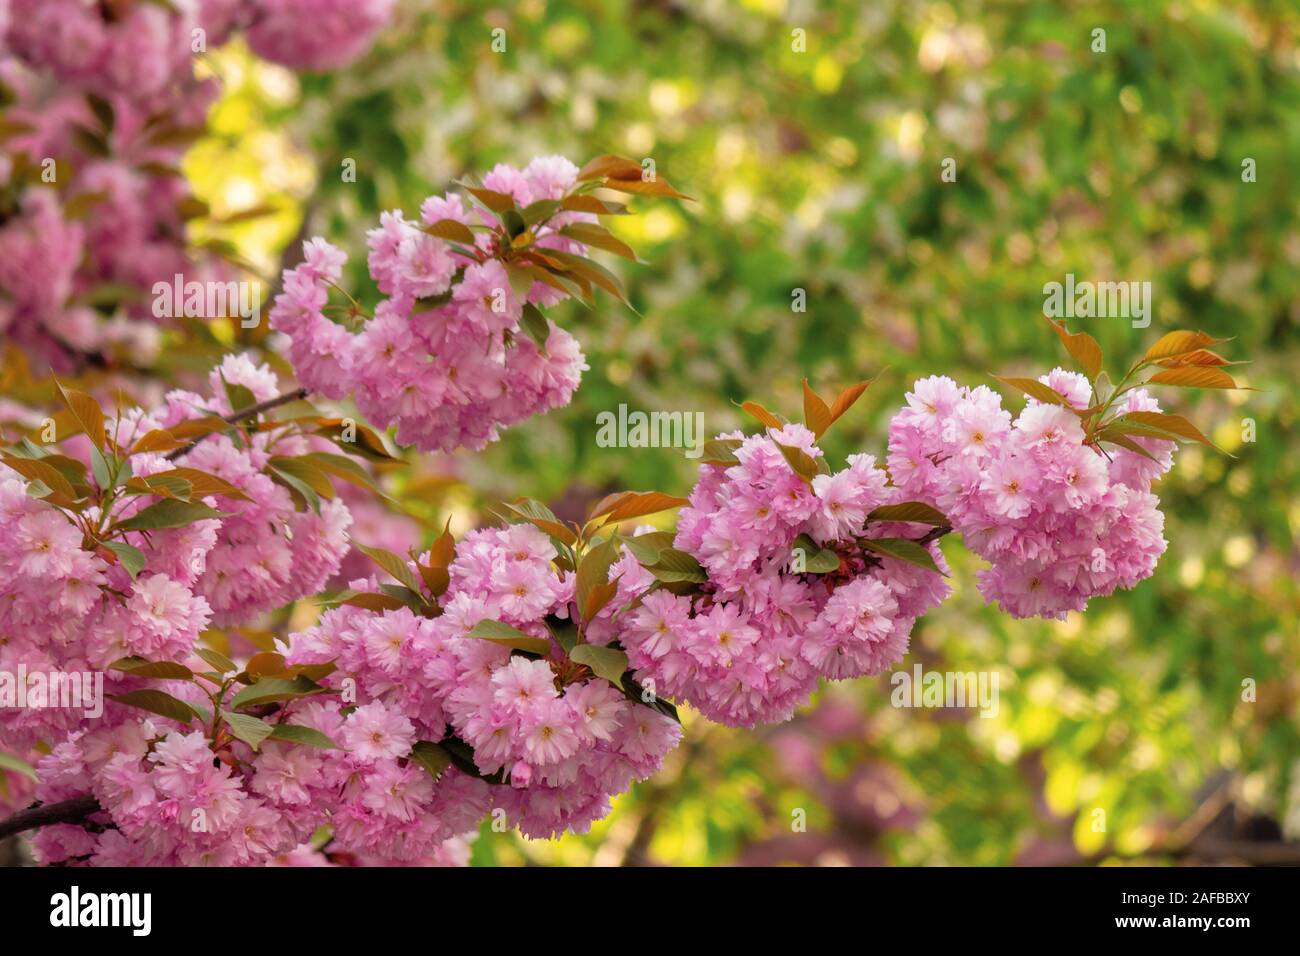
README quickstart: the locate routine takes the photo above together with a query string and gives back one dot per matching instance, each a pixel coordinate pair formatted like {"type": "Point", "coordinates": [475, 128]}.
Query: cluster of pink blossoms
{"type": "Point", "coordinates": [135, 49]}
{"type": "Point", "coordinates": [108, 221]}
{"type": "Point", "coordinates": [170, 794]}
{"type": "Point", "coordinates": [141, 47]}
{"type": "Point", "coordinates": [167, 801]}
{"type": "Point", "coordinates": [453, 373]}
{"type": "Point", "coordinates": [104, 100]}
{"type": "Point", "coordinates": [268, 552]}
{"type": "Point", "coordinates": [310, 34]}
{"type": "Point", "coordinates": [1059, 520]}
{"type": "Point", "coordinates": [751, 648]}
{"type": "Point", "coordinates": [66, 608]}
{"type": "Point", "coordinates": [557, 742]}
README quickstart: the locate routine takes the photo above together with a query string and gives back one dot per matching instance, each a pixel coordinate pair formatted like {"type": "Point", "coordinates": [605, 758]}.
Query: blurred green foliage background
{"type": "Point", "coordinates": [817, 167]}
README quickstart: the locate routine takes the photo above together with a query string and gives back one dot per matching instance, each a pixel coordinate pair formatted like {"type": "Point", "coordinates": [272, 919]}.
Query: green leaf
{"type": "Point", "coordinates": [221, 662]}
{"type": "Point", "coordinates": [169, 513]}
{"type": "Point", "coordinates": [157, 702]}
{"type": "Point", "coordinates": [1174, 424]}
{"type": "Point", "coordinates": [1102, 389]}
{"type": "Point", "coordinates": [371, 601]}
{"type": "Point", "coordinates": [72, 470]}
{"type": "Point", "coordinates": [451, 229]}
{"type": "Point", "coordinates": [585, 203]}
{"type": "Point", "coordinates": [410, 597]}
{"type": "Point", "coordinates": [1118, 426]}
{"type": "Point", "coordinates": [140, 667]}
{"type": "Point", "coordinates": [103, 111]}
{"type": "Point", "coordinates": [131, 559]}
{"type": "Point", "coordinates": [26, 448]}
{"type": "Point", "coordinates": [535, 326]}
{"type": "Point", "coordinates": [521, 281]}
{"type": "Point", "coordinates": [803, 464]}
{"type": "Point", "coordinates": [593, 272]}
{"type": "Point", "coordinates": [817, 560]}
{"type": "Point", "coordinates": [201, 483]}
{"type": "Point", "coordinates": [297, 734]}
{"type": "Point", "coordinates": [392, 563]}
{"type": "Point", "coordinates": [1036, 389]}
{"type": "Point", "coordinates": [304, 476]}
{"type": "Point", "coordinates": [607, 662]}
{"type": "Point", "coordinates": [239, 396]}
{"type": "Point", "coordinates": [721, 451]}
{"type": "Point", "coordinates": [38, 489]}
{"type": "Point", "coordinates": [162, 485]}
{"type": "Point", "coordinates": [1123, 441]}
{"type": "Point", "coordinates": [462, 757]}
{"type": "Point", "coordinates": [61, 491]}
{"type": "Point", "coordinates": [564, 632]}
{"type": "Point", "coordinates": [646, 548]}
{"type": "Point", "coordinates": [10, 762]}
{"type": "Point", "coordinates": [903, 550]}
{"type": "Point", "coordinates": [542, 517]}
{"type": "Point", "coordinates": [917, 511]}
{"type": "Point", "coordinates": [636, 693]}
{"type": "Point", "coordinates": [251, 730]}
{"type": "Point", "coordinates": [591, 234]}
{"type": "Point", "coordinates": [593, 569]}
{"type": "Point", "coordinates": [514, 223]}
{"type": "Point", "coordinates": [271, 689]}
{"type": "Point", "coordinates": [677, 566]}
{"type": "Point", "coordinates": [540, 211]}
{"type": "Point", "coordinates": [499, 632]}
{"type": "Point", "coordinates": [301, 489]}
{"type": "Point", "coordinates": [99, 468]}
{"type": "Point", "coordinates": [341, 466]}
{"type": "Point", "coordinates": [431, 756]}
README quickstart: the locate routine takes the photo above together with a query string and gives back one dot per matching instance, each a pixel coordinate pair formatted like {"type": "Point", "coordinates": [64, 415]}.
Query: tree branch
{"type": "Point", "coordinates": [75, 810]}
{"type": "Point", "coordinates": [251, 411]}
{"type": "Point", "coordinates": [934, 534]}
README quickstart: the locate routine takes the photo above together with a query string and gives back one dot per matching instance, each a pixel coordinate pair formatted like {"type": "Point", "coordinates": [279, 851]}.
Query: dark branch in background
{"type": "Point", "coordinates": [75, 810]}
{"type": "Point", "coordinates": [251, 411]}
{"type": "Point", "coordinates": [934, 534]}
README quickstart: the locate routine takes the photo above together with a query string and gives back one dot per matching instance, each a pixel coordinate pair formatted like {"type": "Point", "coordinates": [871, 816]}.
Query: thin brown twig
{"type": "Point", "coordinates": [250, 412]}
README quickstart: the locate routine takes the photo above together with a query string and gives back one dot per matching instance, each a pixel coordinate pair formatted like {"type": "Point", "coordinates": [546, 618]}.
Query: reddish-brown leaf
{"type": "Point", "coordinates": [1082, 347]}
{"type": "Point", "coordinates": [1194, 376]}
{"type": "Point", "coordinates": [816, 413]}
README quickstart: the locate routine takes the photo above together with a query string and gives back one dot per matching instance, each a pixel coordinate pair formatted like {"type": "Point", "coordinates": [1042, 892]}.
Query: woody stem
{"type": "Point", "coordinates": [252, 411]}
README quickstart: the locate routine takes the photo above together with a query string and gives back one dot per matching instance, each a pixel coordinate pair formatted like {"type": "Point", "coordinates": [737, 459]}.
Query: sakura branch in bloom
{"type": "Point", "coordinates": [1059, 499]}
{"type": "Point", "coordinates": [781, 572]}
{"type": "Point", "coordinates": [459, 346]}
{"type": "Point", "coordinates": [126, 541]}
{"type": "Point", "coordinates": [100, 102]}
{"type": "Point", "coordinates": [529, 671]}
